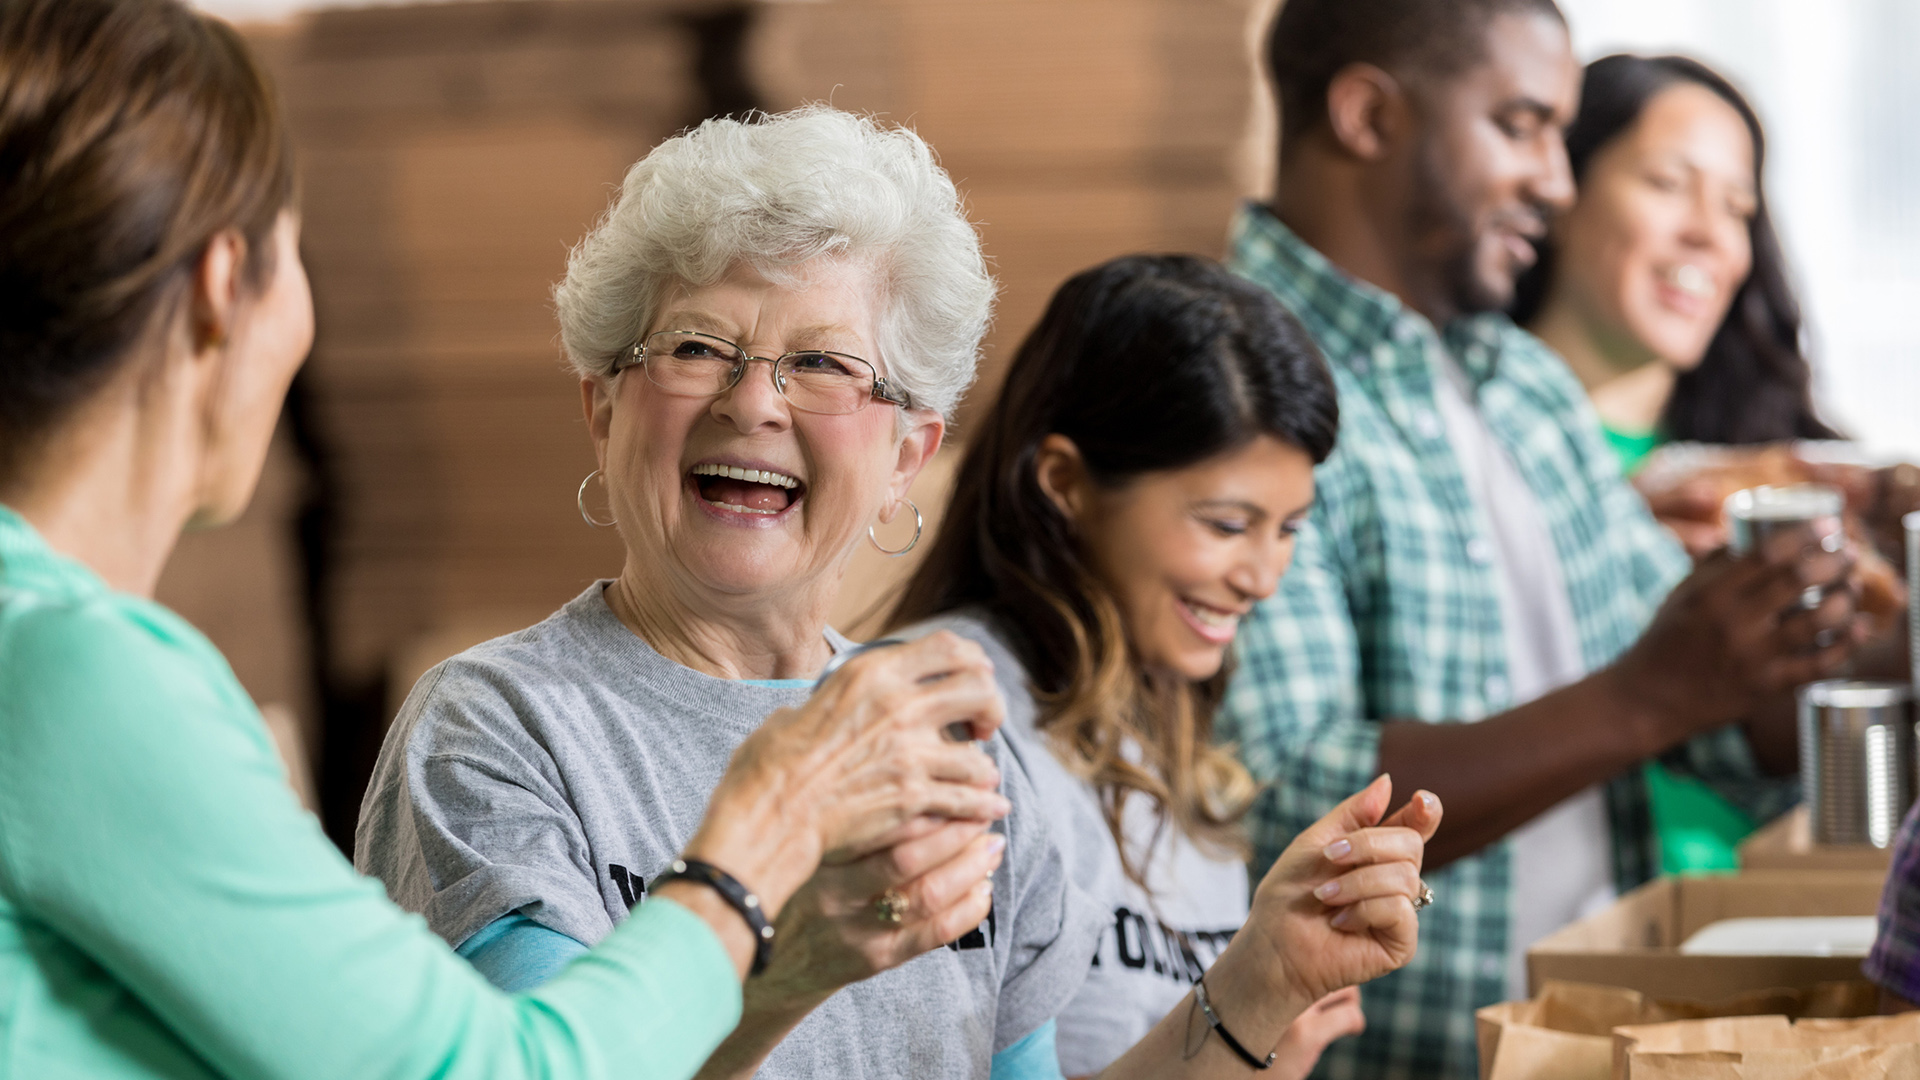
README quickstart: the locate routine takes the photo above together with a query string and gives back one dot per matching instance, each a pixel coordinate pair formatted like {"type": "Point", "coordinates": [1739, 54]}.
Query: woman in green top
{"type": "Point", "coordinates": [1666, 291]}
{"type": "Point", "coordinates": [1664, 287]}
{"type": "Point", "coordinates": [166, 908]}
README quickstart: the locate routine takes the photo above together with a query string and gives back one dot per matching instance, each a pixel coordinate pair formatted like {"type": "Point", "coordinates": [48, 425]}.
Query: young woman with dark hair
{"type": "Point", "coordinates": [1133, 493]}
{"type": "Point", "coordinates": [1666, 291]}
{"type": "Point", "coordinates": [1664, 287]}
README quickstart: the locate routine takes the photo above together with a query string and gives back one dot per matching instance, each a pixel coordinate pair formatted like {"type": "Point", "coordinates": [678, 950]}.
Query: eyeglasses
{"type": "Point", "coordinates": [700, 365]}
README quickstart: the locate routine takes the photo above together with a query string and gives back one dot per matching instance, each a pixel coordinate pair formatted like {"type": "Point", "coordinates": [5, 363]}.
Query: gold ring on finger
{"type": "Point", "coordinates": [1425, 898]}
{"type": "Point", "coordinates": [892, 906]}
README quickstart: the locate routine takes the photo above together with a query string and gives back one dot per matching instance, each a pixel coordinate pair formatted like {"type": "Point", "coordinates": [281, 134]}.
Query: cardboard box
{"type": "Point", "coordinates": [1635, 943]}
{"type": "Point", "coordinates": [1786, 843]}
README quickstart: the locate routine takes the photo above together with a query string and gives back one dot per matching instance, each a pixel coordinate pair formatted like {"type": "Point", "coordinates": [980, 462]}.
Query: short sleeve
{"type": "Point", "coordinates": [1054, 924]}
{"type": "Point", "coordinates": [1294, 706]}
{"type": "Point", "coordinates": [467, 820]}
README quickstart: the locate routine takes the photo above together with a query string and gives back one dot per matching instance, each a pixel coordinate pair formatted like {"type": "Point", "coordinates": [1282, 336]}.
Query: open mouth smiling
{"type": "Point", "coordinates": [1217, 625]}
{"type": "Point", "coordinates": [738, 489]}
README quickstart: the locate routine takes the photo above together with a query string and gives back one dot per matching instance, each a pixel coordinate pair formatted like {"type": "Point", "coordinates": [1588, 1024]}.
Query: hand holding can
{"type": "Point", "coordinates": [1784, 523]}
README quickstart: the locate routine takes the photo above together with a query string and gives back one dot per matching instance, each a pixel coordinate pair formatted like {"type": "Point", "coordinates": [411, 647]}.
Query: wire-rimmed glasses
{"type": "Point", "coordinates": [692, 364]}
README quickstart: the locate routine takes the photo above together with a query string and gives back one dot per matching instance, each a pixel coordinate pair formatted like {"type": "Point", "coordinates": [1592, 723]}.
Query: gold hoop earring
{"type": "Point", "coordinates": [580, 500]}
{"type": "Point", "coordinates": [918, 521]}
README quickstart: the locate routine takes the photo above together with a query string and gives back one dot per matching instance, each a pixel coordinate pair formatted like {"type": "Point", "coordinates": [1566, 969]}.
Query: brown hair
{"type": "Point", "coordinates": [1148, 363]}
{"type": "Point", "coordinates": [131, 133]}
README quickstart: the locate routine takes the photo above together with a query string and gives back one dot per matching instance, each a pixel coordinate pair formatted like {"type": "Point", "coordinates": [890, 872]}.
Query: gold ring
{"type": "Point", "coordinates": [1424, 899]}
{"type": "Point", "coordinates": [892, 906]}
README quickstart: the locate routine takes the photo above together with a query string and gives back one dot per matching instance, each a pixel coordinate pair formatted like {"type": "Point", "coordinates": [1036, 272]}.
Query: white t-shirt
{"type": "Point", "coordinates": [1159, 940]}
{"type": "Point", "coordinates": [1562, 860]}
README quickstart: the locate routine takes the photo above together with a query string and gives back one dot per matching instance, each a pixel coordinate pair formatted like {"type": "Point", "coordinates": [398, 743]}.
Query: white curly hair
{"type": "Point", "coordinates": [778, 191]}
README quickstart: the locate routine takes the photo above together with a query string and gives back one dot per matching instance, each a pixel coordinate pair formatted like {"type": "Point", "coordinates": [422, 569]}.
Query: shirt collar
{"type": "Point", "coordinates": [1350, 318]}
{"type": "Point", "coordinates": [27, 562]}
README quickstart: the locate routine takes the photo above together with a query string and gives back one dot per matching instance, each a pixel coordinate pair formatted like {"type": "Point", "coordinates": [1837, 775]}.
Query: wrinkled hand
{"type": "Point", "coordinates": [831, 933]}
{"type": "Point", "coordinates": [864, 765]}
{"type": "Point", "coordinates": [1337, 908]}
{"type": "Point", "coordinates": [1332, 1017]}
{"type": "Point", "coordinates": [1734, 633]}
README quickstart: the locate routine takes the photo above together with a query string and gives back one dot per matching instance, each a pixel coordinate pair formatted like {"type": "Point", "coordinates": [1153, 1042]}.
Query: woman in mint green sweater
{"type": "Point", "coordinates": [166, 908]}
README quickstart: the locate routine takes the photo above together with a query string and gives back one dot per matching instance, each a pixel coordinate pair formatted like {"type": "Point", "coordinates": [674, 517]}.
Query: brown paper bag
{"type": "Point", "coordinates": [1833, 1063]}
{"type": "Point", "coordinates": [1563, 1033]}
{"type": "Point", "coordinates": [1708, 1065]}
{"type": "Point", "coordinates": [1537, 1053]}
{"type": "Point", "coordinates": [1770, 1048]}
{"type": "Point", "coordinates": [1568, 1027]}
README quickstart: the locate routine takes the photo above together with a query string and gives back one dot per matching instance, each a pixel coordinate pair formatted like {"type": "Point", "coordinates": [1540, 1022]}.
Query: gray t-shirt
{"type": "Point", "coordinates": [1157, 941]}
{"type": "Point", "coordinates": [557, 771]}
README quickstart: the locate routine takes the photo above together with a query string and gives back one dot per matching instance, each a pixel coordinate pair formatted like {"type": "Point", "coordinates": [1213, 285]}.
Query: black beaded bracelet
{"type": "Point", "coordinates": [1233, 1044]}
{"type": "Point", "coordinates": [736, 896]}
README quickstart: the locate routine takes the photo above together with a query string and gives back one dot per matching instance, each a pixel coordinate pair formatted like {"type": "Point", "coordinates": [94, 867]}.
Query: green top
{"type": "Point", "coordinates": [167, 909]}
{"type": "Point", "coordinates": [1631, 447]}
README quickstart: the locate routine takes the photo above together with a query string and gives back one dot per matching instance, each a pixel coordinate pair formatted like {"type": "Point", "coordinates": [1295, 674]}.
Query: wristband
{"type": "Point", "coordinates": [736, 896]}
{"type": "Point", "coordinates": [1233, 1044]}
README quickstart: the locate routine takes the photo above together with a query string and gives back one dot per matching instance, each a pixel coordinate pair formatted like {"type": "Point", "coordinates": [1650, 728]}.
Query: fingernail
{"type": "Point", "coordinates": [1429, 800]}
{"type": "Point", "coordinates": [1339, 849]}
{"type": "Point", "coordinates": [996, 843]}
{"type": "Point", "coordinates": [1342, 918]}
{"type": "Point", "coordinates": [1328, 891]}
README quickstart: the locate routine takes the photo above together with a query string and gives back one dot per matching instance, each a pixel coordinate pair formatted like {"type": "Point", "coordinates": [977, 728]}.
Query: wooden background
{"type": "Point", "coordinates": [421, 494]}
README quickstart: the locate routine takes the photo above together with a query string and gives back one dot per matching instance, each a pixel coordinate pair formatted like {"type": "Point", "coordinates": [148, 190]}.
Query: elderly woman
{"type": "Point", "coordinates": [167, 909]}
{"type": "Point", "coordinates": [770, 324]}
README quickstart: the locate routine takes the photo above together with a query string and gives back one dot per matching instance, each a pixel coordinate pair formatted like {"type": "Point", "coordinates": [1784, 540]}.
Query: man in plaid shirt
{"type": "Point", "coordinates": [1479, 605]}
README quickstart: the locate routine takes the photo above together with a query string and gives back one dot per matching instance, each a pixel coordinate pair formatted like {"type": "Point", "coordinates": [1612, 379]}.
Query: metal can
{"type": "Point", "coordinates": [1856, 759]}
{"type": "Point", "coordinates": [1803, 515]}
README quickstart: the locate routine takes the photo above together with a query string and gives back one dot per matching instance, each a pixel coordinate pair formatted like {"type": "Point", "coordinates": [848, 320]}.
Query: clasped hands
{"type": "Point", "coordinates": [903, 814]}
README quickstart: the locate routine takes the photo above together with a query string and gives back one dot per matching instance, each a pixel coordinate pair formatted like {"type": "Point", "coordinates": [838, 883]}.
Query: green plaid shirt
{"type": "Point", "coordinates": [1390, 610]}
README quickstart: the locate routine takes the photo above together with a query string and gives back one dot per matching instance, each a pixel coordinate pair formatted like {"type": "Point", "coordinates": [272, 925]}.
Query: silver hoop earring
{"type": "Point", "coordinates": [580, 501]}
{"type": "Point", "coordinates": [918, 521]}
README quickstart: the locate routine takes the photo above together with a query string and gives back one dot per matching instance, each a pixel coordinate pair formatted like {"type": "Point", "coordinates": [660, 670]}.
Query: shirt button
{"type": "Point", "coordinates": [1495, 690]}
{"type": "Point", "coordinates": [1428, 425]}
{"type": "Point", "coordinates": [1492, 967]}
{"type": "Point", "coordinates": [1480, 550]}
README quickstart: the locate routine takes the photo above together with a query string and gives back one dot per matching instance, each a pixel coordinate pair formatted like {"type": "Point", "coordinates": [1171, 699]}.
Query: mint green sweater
{"type": "Point", "coordinates": [167, 909]}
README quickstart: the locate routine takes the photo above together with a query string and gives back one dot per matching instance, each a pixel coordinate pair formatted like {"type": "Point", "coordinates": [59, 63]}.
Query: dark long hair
{"type": "Point", "coordinates": [1148, 363]}
{"type": "Point", "coordinates": [131, 133]}
{"type": "Point", "coordinates": [1754, 384]}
